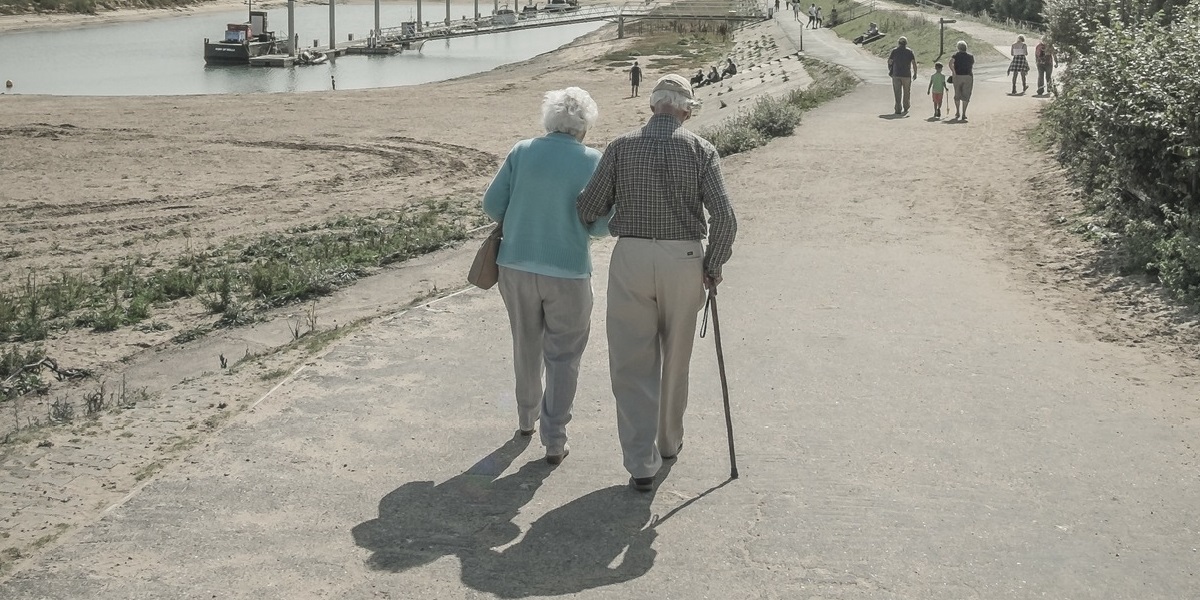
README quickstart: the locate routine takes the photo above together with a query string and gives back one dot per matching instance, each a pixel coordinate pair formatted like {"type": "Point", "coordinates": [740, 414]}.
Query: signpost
{"type": "Point", "coordinates": [942, 35]}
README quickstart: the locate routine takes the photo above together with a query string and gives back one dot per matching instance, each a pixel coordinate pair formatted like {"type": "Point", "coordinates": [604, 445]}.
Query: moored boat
{"type": "Point", "coordinates": [242, 41]}
{"type": "Point", "coordinates": [504, 16]}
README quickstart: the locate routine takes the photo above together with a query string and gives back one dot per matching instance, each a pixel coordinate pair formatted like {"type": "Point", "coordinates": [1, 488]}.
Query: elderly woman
{"type": "Point", "coordinates": [1019, 64]}
{"type": "Point", "coordinates": [545, 267]}
{"type": "Point", "coordinates": [962, 70]}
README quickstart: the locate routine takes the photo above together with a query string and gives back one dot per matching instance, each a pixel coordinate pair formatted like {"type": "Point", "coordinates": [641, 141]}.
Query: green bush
{"type": "Point", "coordinates": [734, 136]}
{"type": "Point", "coordinates": [1128, 130]}
{"type": "Point", "coordinates": [773, 117]}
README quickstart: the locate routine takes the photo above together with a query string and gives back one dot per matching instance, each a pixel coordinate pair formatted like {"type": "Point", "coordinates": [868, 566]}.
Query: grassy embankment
{"type": "Point", "coordinates": [923, 35]}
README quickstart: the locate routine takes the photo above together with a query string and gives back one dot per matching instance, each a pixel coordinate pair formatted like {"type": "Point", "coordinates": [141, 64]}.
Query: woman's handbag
{"type": "Point", "coordinates": [484, 271]}
{"type": "Point", "coordinates": [950, 79]}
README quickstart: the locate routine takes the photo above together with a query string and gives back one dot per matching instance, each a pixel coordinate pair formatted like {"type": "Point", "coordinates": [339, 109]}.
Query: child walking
{"type": "Point", "coordinates": [937, 87]}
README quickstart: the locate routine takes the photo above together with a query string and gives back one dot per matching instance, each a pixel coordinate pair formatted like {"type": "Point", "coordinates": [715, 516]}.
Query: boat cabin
{"type": "Point", "coordinates": [237, 33]}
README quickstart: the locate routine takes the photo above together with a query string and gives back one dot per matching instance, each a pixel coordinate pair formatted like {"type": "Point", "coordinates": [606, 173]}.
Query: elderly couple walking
{"type": "Point", "coordinates": [650, 188]}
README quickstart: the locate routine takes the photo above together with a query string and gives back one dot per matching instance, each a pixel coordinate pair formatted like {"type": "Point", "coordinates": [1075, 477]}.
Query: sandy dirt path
{"type": "Point", "coordinates": [933, 399]}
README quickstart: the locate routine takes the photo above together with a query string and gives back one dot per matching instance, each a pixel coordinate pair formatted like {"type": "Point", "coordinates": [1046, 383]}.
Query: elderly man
{"type": "Point", "coordinates": [660, 179]}
{"type": "Point", "coordinates": [902, 66]}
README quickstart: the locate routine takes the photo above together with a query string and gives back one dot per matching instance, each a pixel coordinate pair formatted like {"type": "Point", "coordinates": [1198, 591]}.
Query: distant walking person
{"type": "Point", "coordinates": [635, 78]}
{"type": "Point", "coordinates": [1019, 64]}
{"type": "Point", "coordinates": [820, 21]}
{"type": "Point", "coordinates": [796, 11]}
{"type": "Point", "coordinates": [962, 64]}
{"type": "Point", "coordinates": [545, 268]}
{"type": "Point", "coordinates": [902, 67]}
{"type": "Point", "coordinates": [1043, 55]}
{"type": "Point", "coordinates": [660, 180]}
{"type": "Point", "coordinates": [812, 16]}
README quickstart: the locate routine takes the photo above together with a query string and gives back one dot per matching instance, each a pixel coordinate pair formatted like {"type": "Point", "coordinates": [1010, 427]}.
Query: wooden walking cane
{"type": "Point", "coordinates": [712, 302]}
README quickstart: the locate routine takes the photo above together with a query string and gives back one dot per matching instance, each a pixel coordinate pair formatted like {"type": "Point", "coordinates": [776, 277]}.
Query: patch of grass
{"type": "Point", "coordinates": [148, 470]}
{"type": "Point", "coordinates": [274, 374]}
{"type": "Point", "coordinates": [316, 341]}
{"type": "Point", "coordinates": [771, 117]}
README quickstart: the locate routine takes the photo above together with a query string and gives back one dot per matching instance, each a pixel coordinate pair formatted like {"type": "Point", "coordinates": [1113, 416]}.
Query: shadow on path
{"type": "Point", "coordinates": [602, 538]}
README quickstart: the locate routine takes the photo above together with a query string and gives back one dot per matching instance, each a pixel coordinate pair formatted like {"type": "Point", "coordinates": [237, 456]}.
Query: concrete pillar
{"type": "Point", "coordinates": [621, 27]}
{"type": "Point", "coordinates": [476, 17]}
{"type": "Point", "coordinates": [447, 13]}
{"type": "Point", "coordinates": [332, 30]}
{"type": "Point", "coordinates": [293, 37]}
{"type": "Point", "coordinates": [376, 32]}
{"type": "Point", "coordinates": [420, 23]}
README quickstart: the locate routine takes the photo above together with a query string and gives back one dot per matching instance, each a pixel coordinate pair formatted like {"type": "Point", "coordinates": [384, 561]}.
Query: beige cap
{"type": "Point", "coordinates": [674, 83]}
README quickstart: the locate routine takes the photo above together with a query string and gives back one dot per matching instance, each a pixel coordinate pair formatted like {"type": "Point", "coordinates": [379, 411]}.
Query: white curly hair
{"type": "Point", "coordinates": [569, 110]}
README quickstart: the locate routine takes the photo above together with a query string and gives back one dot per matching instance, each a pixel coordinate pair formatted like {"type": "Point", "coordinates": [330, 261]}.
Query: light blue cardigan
{"type": "Point", "coordinates": [534, 196]}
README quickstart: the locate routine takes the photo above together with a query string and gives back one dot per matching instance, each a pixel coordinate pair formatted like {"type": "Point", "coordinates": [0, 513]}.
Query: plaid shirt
{"type": "Point", "coordinates": [660, 178]}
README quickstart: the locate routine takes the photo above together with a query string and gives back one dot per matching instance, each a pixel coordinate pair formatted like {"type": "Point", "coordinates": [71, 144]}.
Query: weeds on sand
{"type": "Point", "coordinates": [231, 281]}
{"type": "Point", "coordinates": [63, 410]}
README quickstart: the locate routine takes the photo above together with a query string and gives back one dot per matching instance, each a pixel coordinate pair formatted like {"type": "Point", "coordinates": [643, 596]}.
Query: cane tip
{"type": "Point", "coordinates": [733, 474]}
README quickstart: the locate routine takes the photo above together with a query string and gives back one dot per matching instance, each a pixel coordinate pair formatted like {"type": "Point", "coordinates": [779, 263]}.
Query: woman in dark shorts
{"type": "Point", "coordinates": [962, 65]}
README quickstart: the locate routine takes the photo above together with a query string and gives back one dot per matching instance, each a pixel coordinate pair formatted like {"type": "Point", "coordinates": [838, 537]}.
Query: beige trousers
{"type": "Point", "coordinates": [550, 318]}
{"type": "Point", "coordinates": [655, 290]}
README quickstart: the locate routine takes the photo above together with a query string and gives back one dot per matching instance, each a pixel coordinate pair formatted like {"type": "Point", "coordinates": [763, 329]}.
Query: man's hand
{"type": "Point", "coordinates": [711, 282]}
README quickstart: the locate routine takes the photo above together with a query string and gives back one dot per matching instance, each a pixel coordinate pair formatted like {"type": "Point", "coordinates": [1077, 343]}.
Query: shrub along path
{"type": "Point", "coordinates": [928, 404]}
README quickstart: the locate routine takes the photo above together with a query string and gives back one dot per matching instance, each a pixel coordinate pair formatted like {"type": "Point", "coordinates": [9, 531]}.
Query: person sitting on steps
{"type": "Point", "coordinates": [713, 76]}
{"type": "Point", "coordinates": [730, 69]}
{"type": "Point", "coordinates": [698, 78]}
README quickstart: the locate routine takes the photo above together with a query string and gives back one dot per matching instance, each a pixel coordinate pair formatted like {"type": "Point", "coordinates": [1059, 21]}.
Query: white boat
{"type": "Point", "coordinates": [504, 16]}
{"type": "Point", "coordinates": [311, 57]}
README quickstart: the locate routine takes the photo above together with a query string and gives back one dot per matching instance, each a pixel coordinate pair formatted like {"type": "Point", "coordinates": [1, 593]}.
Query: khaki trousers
{"type": "Point", "coordinates": [550, 318]}
{"type": "Point", "coordinates": [902, 88]}
{"type": "Point", "coordinates": [655, 290]}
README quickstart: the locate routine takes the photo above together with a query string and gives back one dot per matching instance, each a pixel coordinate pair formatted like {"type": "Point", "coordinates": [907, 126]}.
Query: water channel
{"type": "Point", "coordinates": [165, 56]}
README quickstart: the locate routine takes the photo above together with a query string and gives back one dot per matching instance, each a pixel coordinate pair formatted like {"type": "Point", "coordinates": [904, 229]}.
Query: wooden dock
{"type": "Point", "coordinates": [272, 60]}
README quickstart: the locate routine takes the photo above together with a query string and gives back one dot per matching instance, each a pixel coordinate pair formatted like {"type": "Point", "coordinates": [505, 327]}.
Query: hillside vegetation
{"type": "Point", "coordinates": [1128, 131]}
